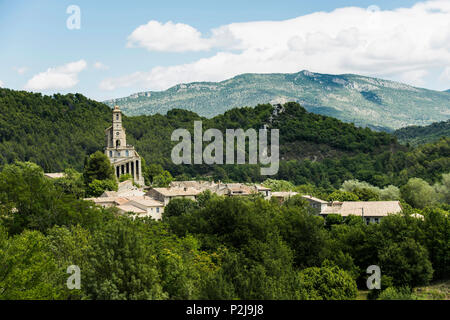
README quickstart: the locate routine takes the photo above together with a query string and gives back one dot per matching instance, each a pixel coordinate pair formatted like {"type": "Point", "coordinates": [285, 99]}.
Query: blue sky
{"type": "Point", "coordinates": [123, 47]}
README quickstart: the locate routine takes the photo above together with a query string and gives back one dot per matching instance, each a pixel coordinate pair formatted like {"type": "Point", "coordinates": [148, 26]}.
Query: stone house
{"type": "Point", "coordinates": [370, 211]}
{"type": "Point", "coordinates": [164, 195]}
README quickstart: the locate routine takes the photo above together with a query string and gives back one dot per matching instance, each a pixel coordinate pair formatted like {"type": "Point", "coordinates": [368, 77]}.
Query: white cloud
{"type": "Point", "coordinates": [403, 44]}
{"type": "Point", "coordinates": [62, 77]}
{"type": "Point", "coordinates": [1, 83]}
{"type": "Point", "coordinates": [100, 66]}
{"type": "Point", "coordinates": [178, 37]}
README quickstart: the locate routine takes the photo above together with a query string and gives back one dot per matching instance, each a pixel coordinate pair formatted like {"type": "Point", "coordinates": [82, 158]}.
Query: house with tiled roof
{"type": "Point", "coordinates": [370, 211]}
{"type": "Point", "coordinates": [164, 195]}
{"type": "Point", "coordinates": [282, 196]}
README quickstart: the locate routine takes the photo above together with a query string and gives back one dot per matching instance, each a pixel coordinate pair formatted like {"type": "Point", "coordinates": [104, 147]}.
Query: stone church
{"type": "Point", "coordinates": [123, 157]}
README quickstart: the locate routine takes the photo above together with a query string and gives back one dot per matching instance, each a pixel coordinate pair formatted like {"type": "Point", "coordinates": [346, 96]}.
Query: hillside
{"type": "Point", "coordinates": [415, 135]}
{"type": "Point", "coordinates": [365, 101]}
{"type": "Point", "coordinates": [58, 131]}
{"type": "Point", "coordinates": [53, 131]}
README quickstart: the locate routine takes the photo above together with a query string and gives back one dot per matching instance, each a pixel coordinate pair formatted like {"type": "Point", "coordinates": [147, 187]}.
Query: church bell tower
{"type": "Point", "coordinates": [118, 138]}
{"type": "Point", "coordinates": [123, 157]}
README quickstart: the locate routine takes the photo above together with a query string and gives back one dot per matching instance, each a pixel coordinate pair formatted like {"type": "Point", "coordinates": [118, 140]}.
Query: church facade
{"type": "Point", "coordinates": [124, 158]}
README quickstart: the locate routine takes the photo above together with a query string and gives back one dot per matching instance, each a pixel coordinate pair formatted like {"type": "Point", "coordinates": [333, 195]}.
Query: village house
{"type": "Point", "coordinates": [138, 206]}
{"type": "Point", "coordinates": [370, 211]}
{"type": "Point", "coordinates": [148, 207]}
{"type": "Point", "coordinates": [130, 199]}
{"type": "Point", "coordinates": [125, 189]}
{"type": "Point", "coordinates": [164, 195]}
{"type": "Point", "coordinates": [266, 192]}
{"type": "Point", "coordinates": [223, 189]}
{"type": "Point", "coordinates": [242, 190]}
{"type": "Point", "coordinates": [282, 196]}
{"type": "Point", "coordinates": [198, 185]}
{"type": "Point", "coordinates": [317, 204]}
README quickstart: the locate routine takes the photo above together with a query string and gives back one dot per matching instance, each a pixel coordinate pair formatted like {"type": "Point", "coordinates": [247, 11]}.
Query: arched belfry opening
{"type": "Point", "coordinates": [117, 143]}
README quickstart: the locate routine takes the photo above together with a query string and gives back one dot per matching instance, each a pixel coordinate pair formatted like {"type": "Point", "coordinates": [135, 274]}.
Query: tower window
{"type": "Point", "coordinates": [117, 116]}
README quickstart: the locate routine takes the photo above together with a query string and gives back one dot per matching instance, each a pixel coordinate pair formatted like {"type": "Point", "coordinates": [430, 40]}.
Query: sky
{"type": "Point", "coordinates": [110, 49]}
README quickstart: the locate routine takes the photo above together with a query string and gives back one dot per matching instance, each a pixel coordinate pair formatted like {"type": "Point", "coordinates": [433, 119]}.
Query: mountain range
{"type": "Point", "coordinates": [365, 101]}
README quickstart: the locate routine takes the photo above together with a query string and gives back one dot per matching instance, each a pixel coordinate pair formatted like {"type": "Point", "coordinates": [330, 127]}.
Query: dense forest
{"type": "Point", "coordinates": [415, 135]}
{"type": "Point", "coordinates": [213, 248]}
{"type": "Point", "coordinates": [59, 132]}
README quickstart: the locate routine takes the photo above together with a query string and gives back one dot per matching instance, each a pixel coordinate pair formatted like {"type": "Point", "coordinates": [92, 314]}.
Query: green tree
{"type": "Point", "coordinates": [327, 283]}
{"type": "Point", "coordinates": [28, 269]}
{"type": "Point", "coordinates": [278, 185]}
{"type": "Point", "coordinates": [162, 180]}
{"type": "Point", "coordinates": [72, 183]}
{"type": "Point", "coordinates": [305, 233]}
{"type": "Point", "coordinates": [366, 194]}
{"type": "Point", "coordinates": [443, 188]}
{"type": "Point", "coordinates": [122, 264]}
{"type": "Point", "coordinates": [436, 228]}
{"type": "Point", "coordinates": [332, 219]}
{"type": "Point", "coordinates": [407, 263]}
{"type": "Point", "coordinates": [97, 167]}
{"type": "Point", "coordinates": [152, 171]}
{"type": "Point", "coordinates": [178, 207]}
{"type": "Point", "coordinates": [32, 201]}
{"type": "Point", "coordinates": [418, 193]}
{"type": "Point", "coordinates": [339, 195]}
{"type": "Point", "coordinates": [97, 187]}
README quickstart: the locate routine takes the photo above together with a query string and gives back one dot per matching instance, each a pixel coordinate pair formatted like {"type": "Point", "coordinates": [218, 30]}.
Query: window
{"type": "Point", "coordinates": [117, 116]}
{"type": "Point", "coordinates": [118, 154]}
{"type": "Point", "coordinates": [110, 154]}
{"type": "Point", "coordinates": [157, 210]}
{"type": "Point", "coordinates": [376, 220]}
{"type": "Point", "coordinates": [126, 153]}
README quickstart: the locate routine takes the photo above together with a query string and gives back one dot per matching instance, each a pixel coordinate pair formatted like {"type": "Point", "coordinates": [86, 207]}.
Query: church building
{"type": "Point", "coordinates": [123, 157]}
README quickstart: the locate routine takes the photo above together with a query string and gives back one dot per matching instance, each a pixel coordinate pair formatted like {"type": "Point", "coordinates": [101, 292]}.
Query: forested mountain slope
{"type": "Point", "coordinates": [58, 132]}
{"type": "Point", "coordinates": [415, 135]}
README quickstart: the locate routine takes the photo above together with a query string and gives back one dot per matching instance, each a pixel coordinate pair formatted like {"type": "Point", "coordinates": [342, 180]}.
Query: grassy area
{"type": "Point", "coordinates": [362, 294]}
{"type": "Point", "coordinates": [437, 291]}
